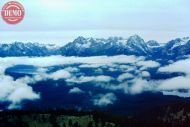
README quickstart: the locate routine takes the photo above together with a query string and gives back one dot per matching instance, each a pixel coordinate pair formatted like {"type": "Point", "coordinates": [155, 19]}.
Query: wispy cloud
{"type": "Point", "coordinates": [104, 99]}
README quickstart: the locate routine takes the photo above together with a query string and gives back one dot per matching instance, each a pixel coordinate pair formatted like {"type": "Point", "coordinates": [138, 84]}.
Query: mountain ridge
{"type": "Point", "coordinates": [134, 45]}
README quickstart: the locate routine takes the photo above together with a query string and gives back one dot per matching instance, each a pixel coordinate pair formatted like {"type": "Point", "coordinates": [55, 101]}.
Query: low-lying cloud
{"type": "Point", "coordinates": [132, 76]}
{"type": "Point", "coordinates": [76, 90]}
{"type": "Point", "coordinates": [104, 99]}
{"type": "Point", "coordinates": [85, 79]}
{"type": "Point", "coordinates": [125, 76]}
{"type": "Point", "coordinates": [15, 91]}
{"type": "Point", "coordinates": [179, 66]}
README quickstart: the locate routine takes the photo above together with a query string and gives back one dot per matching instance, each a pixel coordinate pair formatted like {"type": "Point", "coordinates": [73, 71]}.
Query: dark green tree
{"type": "Point", "coordinates": [90, 124]}
{"type": "Point", "coordinates": [70, 123]}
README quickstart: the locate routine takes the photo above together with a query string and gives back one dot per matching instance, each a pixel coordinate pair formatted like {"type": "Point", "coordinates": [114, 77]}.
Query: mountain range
{"type": "Point", "coordinates": [81, 46]}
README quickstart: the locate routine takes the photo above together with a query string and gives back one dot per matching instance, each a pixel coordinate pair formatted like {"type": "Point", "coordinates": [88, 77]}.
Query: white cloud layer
{"type": "Point", "coordinates": [148, 64]}
{"type": "Point", "coordinates": [177, 93]}
{"type": "Point", "coordinates": [179, 66]}
{"type": "Point", "coordinates": [61, 60]}
{"type": "Point", "coordinates": [15, 91]}
{"type": "Point", "coordinates": [140, 86]}
{"type": "Point", "coordinates": [84, 79]}
{"type": "Point", "coordinates": [60, 74]}
{"type": "Point", "coordinates": [175, 83]}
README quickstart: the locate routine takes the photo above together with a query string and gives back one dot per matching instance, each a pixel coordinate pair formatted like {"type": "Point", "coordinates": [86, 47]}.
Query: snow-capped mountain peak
{"type": "Point", "coordinates": [135, 42]}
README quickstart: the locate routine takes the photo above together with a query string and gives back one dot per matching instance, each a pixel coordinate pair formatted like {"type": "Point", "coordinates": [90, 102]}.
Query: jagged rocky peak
{"type": "Point", "coordinates": [153, 43]}
{"type": "Point", "coordinates": [135, 39]}
{"type": "Point", "coordinates": [177, 42]}
{"type": "Point", "coordinates": [138, 44]}
{"type": "Point", "coordinates": [80, 40]}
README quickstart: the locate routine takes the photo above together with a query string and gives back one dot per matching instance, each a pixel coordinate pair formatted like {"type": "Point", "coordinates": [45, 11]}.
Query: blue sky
{"type": "Point", "coordinates": [60, 21]}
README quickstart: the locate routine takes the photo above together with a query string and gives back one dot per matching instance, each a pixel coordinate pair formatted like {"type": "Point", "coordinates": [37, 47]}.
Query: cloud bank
{"type": "Point", "coordinates": [128, 74]}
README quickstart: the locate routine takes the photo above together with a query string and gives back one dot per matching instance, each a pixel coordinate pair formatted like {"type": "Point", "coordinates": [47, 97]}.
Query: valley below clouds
{"type": "Point", "coordinates": [82, 82]}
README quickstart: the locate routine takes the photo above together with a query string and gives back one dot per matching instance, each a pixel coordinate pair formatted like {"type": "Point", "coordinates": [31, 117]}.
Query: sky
{"type": "Point", "coordinates": [61, 21]}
